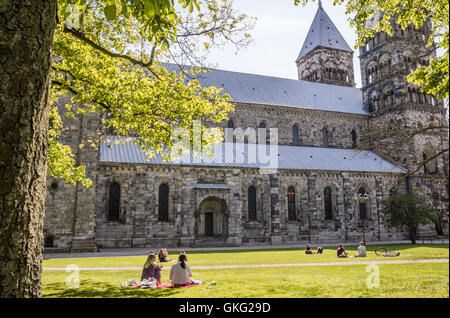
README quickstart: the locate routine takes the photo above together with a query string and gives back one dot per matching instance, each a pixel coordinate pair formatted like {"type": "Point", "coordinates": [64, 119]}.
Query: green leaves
{"type": "Point", "coordinates": [111, 9]}
{"type": "Point", "coordinates": [408, 210]}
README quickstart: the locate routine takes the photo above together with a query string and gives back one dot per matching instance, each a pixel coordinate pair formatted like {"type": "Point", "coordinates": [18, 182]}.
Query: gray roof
{"type": "Point", "coordinates": [267, 90]}
{"type": "Point", "coordinates": [234, 155]}
{"type": "Point", "coordinates": [324, 33]}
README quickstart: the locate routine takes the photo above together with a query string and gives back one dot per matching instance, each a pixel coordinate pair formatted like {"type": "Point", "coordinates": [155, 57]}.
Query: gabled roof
{"type": "Point", "coordinates": [324, 33]}
{"type": "Point", "coordinates": [241, 156]}
{"type": "Point", "coordinates": [267, 90]}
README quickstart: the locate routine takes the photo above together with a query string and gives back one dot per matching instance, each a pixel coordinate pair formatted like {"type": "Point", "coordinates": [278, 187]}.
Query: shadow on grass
{"type": "Point", "coordinates": [90, 289]}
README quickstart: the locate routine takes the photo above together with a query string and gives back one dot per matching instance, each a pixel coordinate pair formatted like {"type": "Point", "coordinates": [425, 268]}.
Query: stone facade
{"type": "Point", "coordinates": [77, 217]}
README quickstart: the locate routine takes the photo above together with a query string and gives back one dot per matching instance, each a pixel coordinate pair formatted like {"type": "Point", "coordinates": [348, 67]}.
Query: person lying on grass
{"type": "Point", "coordinates": [341, 252]}
{"type": "Point", "coordinates": [180, 272]}
{"type": "Point", "coordinates": [361, 250]}
{"type": "Point", "coordinates": [163, 256]}
{"type": "Point", "coordinates": [308, 250]}
{"type": "Point", "coordinates": [151, 269]}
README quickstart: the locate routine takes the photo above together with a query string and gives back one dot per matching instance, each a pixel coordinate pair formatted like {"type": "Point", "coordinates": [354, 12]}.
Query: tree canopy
{"type": "Point", "coordinates": [109, 56]}
{"type": "Point", "coordinates": [408, 211]}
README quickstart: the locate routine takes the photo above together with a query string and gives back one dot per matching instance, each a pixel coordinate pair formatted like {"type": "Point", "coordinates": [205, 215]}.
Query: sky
{"type": "Point", "coordinates": [278, 36]}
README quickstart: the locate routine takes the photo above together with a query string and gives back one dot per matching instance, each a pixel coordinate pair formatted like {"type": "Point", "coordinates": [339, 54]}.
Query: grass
{"type": "Point", "coordinates": [397, 281]}
{"type": "Point", "coordinates": [405, 280]}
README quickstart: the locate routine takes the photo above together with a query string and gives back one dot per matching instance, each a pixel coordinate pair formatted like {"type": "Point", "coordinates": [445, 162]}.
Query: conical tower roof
{"type": "Point", "coordinates": [324, 33]}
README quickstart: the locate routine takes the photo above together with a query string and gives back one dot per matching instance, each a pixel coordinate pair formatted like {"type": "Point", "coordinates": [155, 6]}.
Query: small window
{"type": "Point", "coordinates": [362, 204]}
{"type": "Point", "coordinates": [328, 203]}
{"type": "Point", "coordinates": [252, 203]}
{"type": "Point", "coordinates": [163, 203]}
{"type": "Point", "coordinates": [325, 137]}
{"type": "Point", "coordinates": [230, 124]}
{"type": "Point", "coordinates": [114, 202]}
{"type": "Point", "coordinates": [354, 139]}
{"type": "Point", "coordinates": [295, 135]}
{"type": "Point", "coordinates": [292, 215]}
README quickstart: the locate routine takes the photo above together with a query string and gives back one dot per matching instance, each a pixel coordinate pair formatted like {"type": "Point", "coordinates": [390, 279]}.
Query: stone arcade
{"type": "Point", "coordinates": [311, 194]}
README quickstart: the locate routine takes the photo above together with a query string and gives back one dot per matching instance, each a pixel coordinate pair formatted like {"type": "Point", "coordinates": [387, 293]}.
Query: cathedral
{"type": "Point", "coordinates": [298, 174]}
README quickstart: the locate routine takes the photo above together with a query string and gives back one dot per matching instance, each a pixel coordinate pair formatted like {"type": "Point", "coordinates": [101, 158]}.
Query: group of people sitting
{"type": "Point", "coordinates": [341, 252]}
{"type": "Point", "coordinates": [180, 272]}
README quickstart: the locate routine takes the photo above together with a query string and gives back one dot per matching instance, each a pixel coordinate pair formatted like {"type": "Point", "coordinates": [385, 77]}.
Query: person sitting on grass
{"type": "Point", "coordinates": [151, 269]}
{"type": "Point", "coordinates": [163, 256]}
{"type": "Point", "coordinates": [361, 250]}
{"type": "Point", "coordinates": [341, 252]}
{"type": "Point", "coordinates": [308, 249]}
{"type": "Point", "coordinates": [180, 272]}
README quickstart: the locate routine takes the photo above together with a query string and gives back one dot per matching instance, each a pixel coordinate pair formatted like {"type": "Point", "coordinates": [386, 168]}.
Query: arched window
{"type": "Point", "coordinates": [292, 215]}
{"type": "Point", "coordinates": [325, 137]}
{"type": "Point", "coordinates": [163, 202]}
{"type": "Point", "coordinates": [362, 204]}
{"type": "Point", "coordinates": [354, 138]}
{"type": "Point", "coordinates": [114, 202]}
{"type": "Point", "coordinates": [295, 135]}
{"type": "Point", "coordinates": [230, 124]}
{"type": "Point", "coordinates": [251, 203]}
{"type": "Point", "coordinates": [262, 132]}
{"type": "Point", "coordinates": [425, 157]}
{"type": "Point", "coordinates": [328, 203]}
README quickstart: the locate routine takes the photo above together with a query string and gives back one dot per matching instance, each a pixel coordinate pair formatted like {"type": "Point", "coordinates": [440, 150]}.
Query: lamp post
{"type": "Point", "coordinates": [362, 198]}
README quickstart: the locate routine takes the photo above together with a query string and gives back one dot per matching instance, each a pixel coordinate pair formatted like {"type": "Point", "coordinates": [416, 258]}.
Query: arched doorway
{"type": "Point", "coordinates": [212, 218]}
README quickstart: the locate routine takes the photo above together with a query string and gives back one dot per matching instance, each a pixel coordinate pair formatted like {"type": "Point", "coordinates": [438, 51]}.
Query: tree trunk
{"type": "Point", "coordinates": [26, 37]}
{"type": "Point", "coordinates": [413, 234]}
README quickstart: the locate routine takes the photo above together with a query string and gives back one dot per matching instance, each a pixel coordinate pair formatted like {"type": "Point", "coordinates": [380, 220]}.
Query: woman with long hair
{"type": "Point", "coordinates": [151, 269]}
{"type": "Point", "coordinates": [180, 272]}
{"type": "Point", "coordinates": [163, 256]}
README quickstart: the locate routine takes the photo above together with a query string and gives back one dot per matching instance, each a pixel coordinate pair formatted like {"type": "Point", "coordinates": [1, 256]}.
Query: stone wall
{"type": "Point", "coordinates": [325, 65]}
{"type": "Point", "coordinates": [310, 124]}
{"type": "Point", "coordinates": [140, 226]}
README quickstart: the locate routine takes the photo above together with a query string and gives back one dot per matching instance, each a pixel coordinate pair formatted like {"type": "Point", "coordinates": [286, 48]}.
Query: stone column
{"type": "Point", "coordinates": [377, 219]}
{"type": "Point", "coordinates": [139, 213]}
{"type": "Point", "coordinates": [348, 197]}
{"type": "Point", "coordinates": [312, 201]}
{"type": "Point", "coordinates": [234, 207]}
{"type": "Point", "coordinates": [188, 208]}
{"type": "Point", "coordinates": [86, 206]}
{"type": "Point", "coordinates": [275, 210]}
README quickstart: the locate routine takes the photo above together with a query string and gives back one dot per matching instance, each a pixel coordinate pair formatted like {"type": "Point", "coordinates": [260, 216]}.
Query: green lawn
{"type": "Point", "coordinates": [399, 280]}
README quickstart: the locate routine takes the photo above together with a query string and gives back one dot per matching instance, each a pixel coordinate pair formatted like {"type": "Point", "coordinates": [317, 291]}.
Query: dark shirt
{"type": "Point", "coordinates": [340, 250]}
{"type": "Point", "coordinates": [151, 272]}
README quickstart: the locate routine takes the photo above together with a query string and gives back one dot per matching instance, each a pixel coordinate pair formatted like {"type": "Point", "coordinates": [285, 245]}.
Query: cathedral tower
{"type": "Point", "coordinates": [325, 56]}
{"type": "Point", "coordinates": [400, 114]}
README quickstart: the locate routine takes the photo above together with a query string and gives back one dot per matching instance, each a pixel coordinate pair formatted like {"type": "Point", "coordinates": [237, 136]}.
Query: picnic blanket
{"type": "Point", "coordinates": [134, 284]}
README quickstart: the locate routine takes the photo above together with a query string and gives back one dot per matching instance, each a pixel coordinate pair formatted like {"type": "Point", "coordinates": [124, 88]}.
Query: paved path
{"type": "Point", "coordinates": [264, 265]}
{"type": "Point", "coordinates": [122, 252]}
